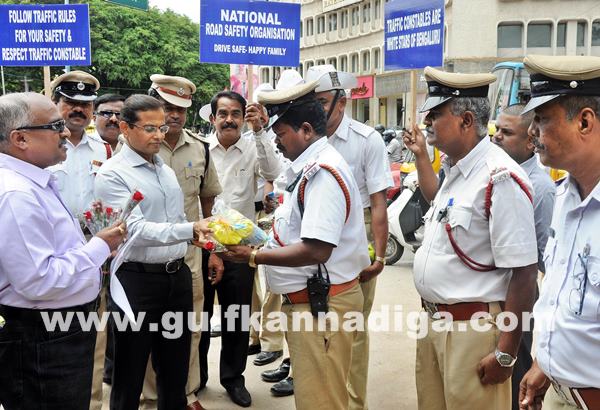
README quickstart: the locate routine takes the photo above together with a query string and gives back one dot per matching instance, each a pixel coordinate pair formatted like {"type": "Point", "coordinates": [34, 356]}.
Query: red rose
{"type": "Point", "coordinates": [109, 211]}
{"type": "Point", "coordinates": [88, 215]}
{"type": "Point", "coordinates": [137, 196]}
{"type": "Point", "coordinates": [209, 246]}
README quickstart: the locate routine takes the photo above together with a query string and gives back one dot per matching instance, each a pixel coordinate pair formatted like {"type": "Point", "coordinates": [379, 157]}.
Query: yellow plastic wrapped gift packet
{"type": "Point", "coordinates": [232, 228]}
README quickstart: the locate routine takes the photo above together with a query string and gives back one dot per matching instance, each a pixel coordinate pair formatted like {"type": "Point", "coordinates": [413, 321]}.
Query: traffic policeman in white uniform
{"type": "Point", "coordinates": [479, 253]}
{"type": "Point", "coordinates": [365, 152]}
{"type": "Point", "coordinates": [566, 128]}
{"type": "Point", "coordinates": [319, 223]}
{"type": "Point", "coordinates": [74, 94]}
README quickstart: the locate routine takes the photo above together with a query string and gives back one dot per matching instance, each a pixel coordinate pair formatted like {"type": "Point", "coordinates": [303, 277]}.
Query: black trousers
{"type": "Point", "coordinates": [47, 368]}
{"type": "Point", "coordinates": [234, 289]}
{"type": "Point", "coordinates": [155, 294]}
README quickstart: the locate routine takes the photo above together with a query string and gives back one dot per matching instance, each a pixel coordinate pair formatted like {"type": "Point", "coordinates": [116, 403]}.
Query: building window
{"type": "Point", "coordinates": [321, 62]}
{"type": "Point", "coordinates": [367, 13]}
{"type": "Point", "coordinates": [333, 22]}
{"type": "Point", "coordinates": [376, 58]}
{"type": "Point", "coordinates": [510, 36]}
{"type": "Point", "coordinates": [366, 63]}
{"type": "Point", "coordinates": [539, 34]}
{"type": "Point", "coordinates": [581, 31]}
{"type": "Point", "coordinates": [309, 64]}
{"type": "Point", "coordinates": [301, 69]}
{"type": "Point", "coordinates": [377, 9]}
{"type": "Point", "coordinates": [596, 33]}
{"type": "Point", "coordinates": [310, 27]}
{"type": "Point", "coordinates": [265, 76]}
{"type": "Point", "coordinates": [344, 19]}
{"type": "Point", "coordinates": [333, 62]}
{"type": "Point", "coordinates": [354, 63]}
{"type": "Point", "coordinates": [344, 63]}
{"type": "Point", "coordinates": [321, 25]}
{"type": "Point", "coordinates": [561, 34]}
{"type": "Point", "coordinates": [301, 29]}
{"type": "Point", "coordinates": [355, 16]}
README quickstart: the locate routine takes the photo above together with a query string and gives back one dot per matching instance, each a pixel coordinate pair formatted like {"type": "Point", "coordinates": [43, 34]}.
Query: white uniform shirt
{"type": "Point", "coordinates": [240, 166]}
{"type": "Point", "coordinates": [507, 240]}
{"type": "Point", "coordinates": [324, 219]}
{"type": "Point", "coordinates": [159, 218]}
{"type": "Point", "coordinates": [364, 150]}
{"type": "Point", "coordinates": [75, 175]}
{"type": "Point", "coordinates": [570, 353]}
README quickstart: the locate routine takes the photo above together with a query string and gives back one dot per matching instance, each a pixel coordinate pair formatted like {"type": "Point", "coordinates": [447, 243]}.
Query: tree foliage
{"type": "Point", "coordinates": [128, 45]}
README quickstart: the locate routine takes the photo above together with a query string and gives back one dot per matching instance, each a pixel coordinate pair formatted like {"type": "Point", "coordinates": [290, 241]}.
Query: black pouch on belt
{"type": "Point", "coordinates": [318, 292]}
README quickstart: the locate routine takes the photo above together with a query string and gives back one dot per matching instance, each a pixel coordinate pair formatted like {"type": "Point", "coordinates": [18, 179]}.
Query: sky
{"type": "Point", "coordinates": [190, 8]}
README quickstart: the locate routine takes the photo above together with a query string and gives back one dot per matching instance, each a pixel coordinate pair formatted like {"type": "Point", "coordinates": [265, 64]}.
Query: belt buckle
{"type": "Point", "coordinates": [430, 307]}
{"type": "Point", "coordinates": [172, 266]}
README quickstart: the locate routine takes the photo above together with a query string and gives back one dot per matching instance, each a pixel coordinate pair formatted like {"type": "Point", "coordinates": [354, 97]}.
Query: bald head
{"type": "Point", "coordinates": [30, 129]}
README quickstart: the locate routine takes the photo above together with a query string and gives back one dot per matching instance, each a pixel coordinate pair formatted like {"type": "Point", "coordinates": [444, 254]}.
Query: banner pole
{"type": "Point", "coordinates": [3, 88]}
{"type": "Point", "coordinates": [413, 97]}
{"type": "Point", "coordinates": [250, 81]}
{"type": "Point", "coordinates": [47, 91]}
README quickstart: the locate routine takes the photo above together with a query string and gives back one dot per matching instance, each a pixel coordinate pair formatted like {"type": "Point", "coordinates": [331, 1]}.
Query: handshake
{"type": "Point", "coordinates": [201, 230]}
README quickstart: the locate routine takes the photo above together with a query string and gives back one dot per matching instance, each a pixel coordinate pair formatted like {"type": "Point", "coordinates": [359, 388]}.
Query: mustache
{"type": "Point", "coordinates": [231, 125]}
{"type": "Point", "coordinates": [280, 147]}
{"type": "Point", "coordinates": [76, 114]}
{"type": "Point", "coordinates": [112, 125]}
{"type": "Point", "coordinates": [538, 145]}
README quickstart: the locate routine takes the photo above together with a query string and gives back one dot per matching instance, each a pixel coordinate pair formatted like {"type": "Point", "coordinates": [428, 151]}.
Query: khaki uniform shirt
{"type": "Point", "coordinates": [188, 160]}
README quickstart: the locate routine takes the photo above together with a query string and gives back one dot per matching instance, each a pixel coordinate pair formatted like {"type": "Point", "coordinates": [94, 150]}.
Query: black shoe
{"type": "Point", "coordinates": [215, 331]}
{"type": "Point", "coordinates": [283, 388]}
{"type": "Point", "coordinates": [240, 396]}
{"type": "Point", "coordinates": [267, 357]}
{"type": "Point", "coordinates": [253, 349]}
{"type": "Point", "coordinates": [277, 375]}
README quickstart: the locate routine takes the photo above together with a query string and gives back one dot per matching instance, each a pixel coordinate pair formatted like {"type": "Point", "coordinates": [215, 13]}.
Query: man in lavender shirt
{"type": "Point", "coordinates": [46, 265]}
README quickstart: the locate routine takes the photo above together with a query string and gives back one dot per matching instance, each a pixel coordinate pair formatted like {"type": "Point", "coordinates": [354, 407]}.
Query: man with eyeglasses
{"type": "Point", "coordinates": [566, 129]}
{"type": "Point", "coordinates": [74, 94]}
{"type": "Point", "coordinates": [107, 112]}
{"type": "Point", "coordinates": [188, 155]}
{"type": "Point", "coordinates": [46, 265]}
{"type": "Point", "coordinates": [155, 277]}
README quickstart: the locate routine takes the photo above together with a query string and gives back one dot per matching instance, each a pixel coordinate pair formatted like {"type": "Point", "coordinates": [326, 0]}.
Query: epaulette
{"type": "Point", "coordinates": [194, 135]}
{"type": "Point", "coordinates": [499, 174]}
{"type": "Point", "coordinates": [310, 170]}
{"type": "Point", "coordinates": [361, 129]}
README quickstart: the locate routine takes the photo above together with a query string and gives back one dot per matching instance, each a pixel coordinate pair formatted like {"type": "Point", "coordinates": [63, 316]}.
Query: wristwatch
{"type": "Point", "coordinates": [504, 359]}
{"type": "Point", "coordinates": [252, 260]}
{"type": "Point", "coordinates": [380, 259]}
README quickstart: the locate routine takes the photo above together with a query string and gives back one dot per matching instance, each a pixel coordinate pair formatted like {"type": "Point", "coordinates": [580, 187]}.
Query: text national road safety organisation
{"type": "Point", "coordinates": [242, 32]}
{"type": "Point", "coordinates": [39, 35]}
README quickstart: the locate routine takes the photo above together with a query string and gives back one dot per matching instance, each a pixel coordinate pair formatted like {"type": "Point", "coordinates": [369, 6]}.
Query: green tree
{"type": "Point", "coordinates": [128, 45]}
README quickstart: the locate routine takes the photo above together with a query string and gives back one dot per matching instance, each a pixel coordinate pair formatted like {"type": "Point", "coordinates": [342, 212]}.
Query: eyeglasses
{"type": "Point", "coordinates": [58, 126]}
{"type": "Point", "coordinates": [108, 114]}
{"type": "Point", "coordinates": [152, 129]}
{"type": "Point", "coordinates": [577, 295]}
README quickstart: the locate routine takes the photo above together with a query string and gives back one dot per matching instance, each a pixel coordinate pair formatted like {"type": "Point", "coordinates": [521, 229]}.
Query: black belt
{"type": "Point", "coordinates": [33, 315]}
{"type": "Point", "coordinates": [168, 267]}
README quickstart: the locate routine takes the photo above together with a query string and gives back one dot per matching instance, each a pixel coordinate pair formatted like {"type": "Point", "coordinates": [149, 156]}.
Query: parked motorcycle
{"type": "Point", "coordinates": [405, 219]}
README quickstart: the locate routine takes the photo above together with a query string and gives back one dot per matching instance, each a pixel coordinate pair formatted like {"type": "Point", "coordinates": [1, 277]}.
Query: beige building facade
{"type": "Point", "coordinates": [478, 34]}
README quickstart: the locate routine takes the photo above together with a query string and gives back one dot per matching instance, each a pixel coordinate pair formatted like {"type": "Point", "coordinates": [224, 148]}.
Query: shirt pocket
{"type": "Point", "coordinates": [459, 219]}
{"type": "Point", "coordinates": [549, 252]}
{"type": "Point", "coordinates": [282, 224]}
{"type": "Point", "coordinates": [61, 174]}
{"type": "Point", "coordinates": [192, 177]}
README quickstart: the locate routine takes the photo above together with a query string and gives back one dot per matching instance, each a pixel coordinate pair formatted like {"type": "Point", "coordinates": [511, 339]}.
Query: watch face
{"type": "Point", "coordinates": [505, 359]}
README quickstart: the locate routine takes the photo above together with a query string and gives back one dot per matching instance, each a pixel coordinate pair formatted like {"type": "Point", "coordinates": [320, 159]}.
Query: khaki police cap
{"type": "Point", "coordinates": [443, 86]}
{"type": "Point", "coordinates": [553, 76]}
{"type": "Point", "coordinates": [278, 102]}
{"type": "Point", "coordinates": [76, 85]}
{"type": "Point", "coordinates": [174, 90]}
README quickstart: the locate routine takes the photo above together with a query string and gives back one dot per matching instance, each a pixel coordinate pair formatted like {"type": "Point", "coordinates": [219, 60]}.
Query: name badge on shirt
{"type": "Point", "coordinates": [95, 166]}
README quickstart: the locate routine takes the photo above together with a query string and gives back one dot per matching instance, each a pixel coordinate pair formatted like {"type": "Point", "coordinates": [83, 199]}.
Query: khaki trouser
{"type": "Point", "coordinates": [554, 401]}
{"type": "Point", "coordinates": [359, 370]}
{"type": "Point", "coordinates": [193, 259]}
{"type": "Point", "coordinates": [321, 359]}
{"type": "Point", "coordinates": [446, 368]}
{"type": "Point", "coordinates": [269, 341]}
{"type": "Point", "coordinates": [99, 356]}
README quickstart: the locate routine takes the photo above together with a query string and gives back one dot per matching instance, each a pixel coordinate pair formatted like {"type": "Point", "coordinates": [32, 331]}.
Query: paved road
{"type": "Point", "coordinates": [392, 364]}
